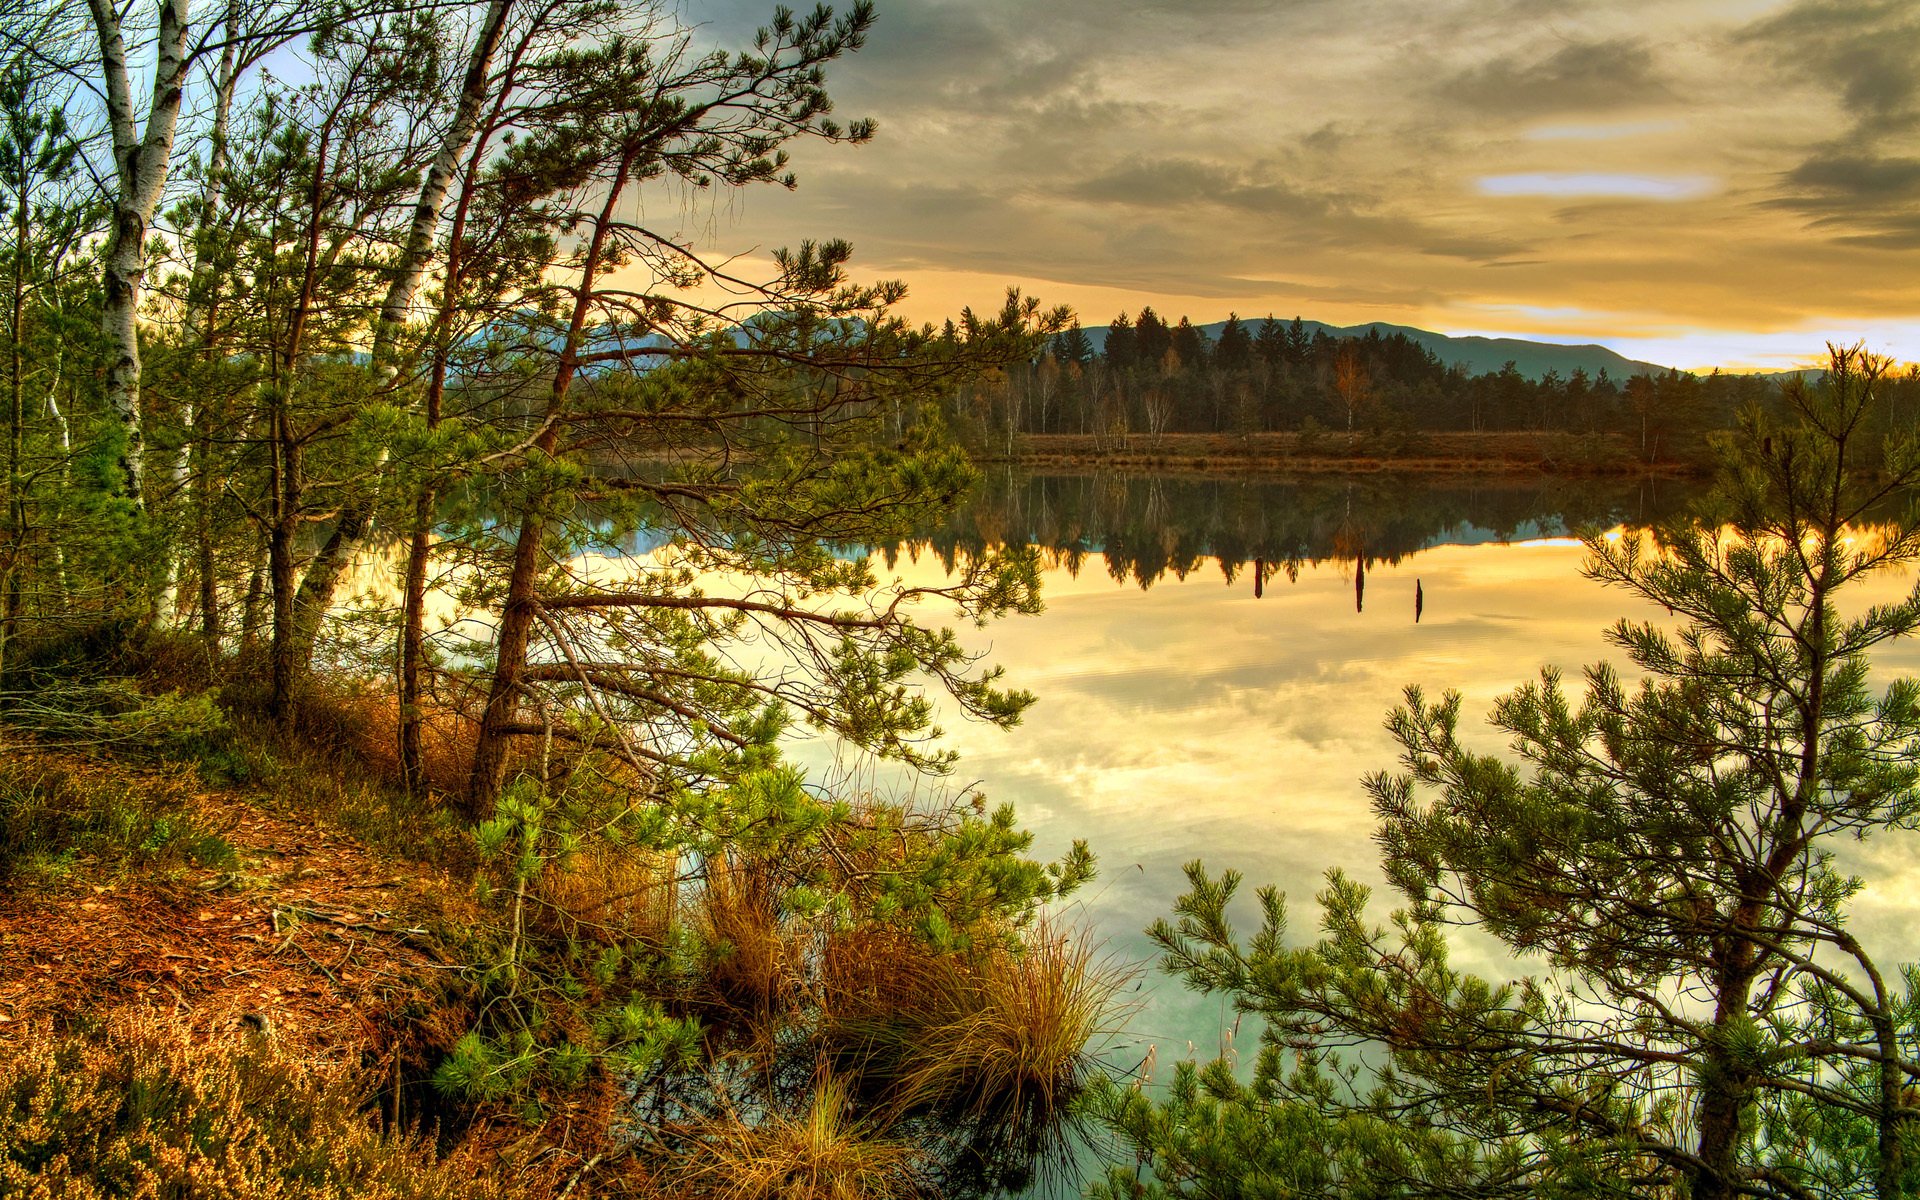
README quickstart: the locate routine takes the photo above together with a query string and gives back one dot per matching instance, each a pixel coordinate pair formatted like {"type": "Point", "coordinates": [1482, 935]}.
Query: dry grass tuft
{"type": "Point", "coordinates": [755, 963]}
{"type": "Point", "coordinates": [820, 1155]}
{"type": "Point", "coordinates": [612, 895]}
{"type": "Point", "coordinates": [1008, 1034]}
{"type": "Point", "coordinates": [993, 1044]}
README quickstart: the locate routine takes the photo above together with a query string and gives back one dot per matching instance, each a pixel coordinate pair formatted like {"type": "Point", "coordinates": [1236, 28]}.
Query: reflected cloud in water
{"type": "Point", "coordinates": [1180, 715]}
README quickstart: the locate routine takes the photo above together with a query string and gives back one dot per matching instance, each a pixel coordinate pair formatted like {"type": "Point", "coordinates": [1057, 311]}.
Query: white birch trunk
{"type": "Point", "coordinates": [356, 517]}
{"type": "Point", "coordinates": [140, 169]}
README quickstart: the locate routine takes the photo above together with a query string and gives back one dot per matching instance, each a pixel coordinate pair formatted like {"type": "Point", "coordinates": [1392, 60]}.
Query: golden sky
{"type": "Point", "coordinates": [1693, 182]}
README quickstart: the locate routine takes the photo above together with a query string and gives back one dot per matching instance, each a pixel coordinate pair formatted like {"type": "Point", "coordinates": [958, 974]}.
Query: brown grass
{"type": "Point", "coordinates": [358, 723]}
{"type": "Point", "coordinates": [141, 1108]}
{"type": "Point", "coordinates": [611, 894]}
{"type": "Point", "coordinates": [753, 971]}
{"type": "Point", "coordinates": [996, 1039]}
{"type": "Point", "coordinates": [822, 1154]}
{"type": "Point", "coordinates": [1009, 1035]}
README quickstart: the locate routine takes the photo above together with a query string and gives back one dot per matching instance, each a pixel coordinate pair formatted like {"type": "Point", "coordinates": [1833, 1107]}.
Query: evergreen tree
{"type": "Point", "coordinates": [1151, 339]}
{"type": "Point", "coordinates": [1708, 1025]}
{"type": "Point", "coordinates": [1299, 343]}
{"type": "Point", "coordinates": [1234, 352]}
{"type": "Point", "coordinates": [1191, 345]}
{"type": "Point", "coordinates": [1122, 349]}
{"type": "Point", "coordinates": [1271, 342]}
{"type": "Point", "coordinates": [1073, 346]}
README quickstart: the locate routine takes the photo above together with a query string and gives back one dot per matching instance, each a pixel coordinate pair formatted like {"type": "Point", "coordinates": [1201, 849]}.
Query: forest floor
{"type": "Point", "coordinates": [305, 934]}
{"type": "Point", "coordinates": [1284, 454]}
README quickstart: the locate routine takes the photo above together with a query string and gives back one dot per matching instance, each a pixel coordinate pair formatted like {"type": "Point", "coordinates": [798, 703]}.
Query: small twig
{"type": "Point", "coordinates": [331, 919]}
{"type": "Point", "coordinates": [316, 962]}
{"type": "Point", "coordinates": [589, 1165]}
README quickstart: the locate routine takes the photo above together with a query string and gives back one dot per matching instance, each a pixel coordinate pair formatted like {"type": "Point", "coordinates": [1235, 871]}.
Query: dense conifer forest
{"type": "Point", "coordinates": [1152, 378]}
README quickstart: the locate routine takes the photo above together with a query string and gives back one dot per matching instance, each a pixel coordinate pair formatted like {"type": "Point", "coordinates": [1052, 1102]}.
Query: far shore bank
{"type": "Point", "coordinates": [1283, 454]}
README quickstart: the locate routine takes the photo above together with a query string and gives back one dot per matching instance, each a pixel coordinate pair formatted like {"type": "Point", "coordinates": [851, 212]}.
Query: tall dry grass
{"type": "Point", "coordinates": [821, 1154]}
{"type": "Point", "coordinates": [612, 895]}
{"type": "Point", "coordinates": [755, 959]}
{"type": "Point", "coordinates": [992, 1044]}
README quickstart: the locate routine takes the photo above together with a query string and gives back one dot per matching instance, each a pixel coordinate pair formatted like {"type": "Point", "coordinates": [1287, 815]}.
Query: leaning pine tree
{"type": "Point", "coordinates": [1706, 1021]}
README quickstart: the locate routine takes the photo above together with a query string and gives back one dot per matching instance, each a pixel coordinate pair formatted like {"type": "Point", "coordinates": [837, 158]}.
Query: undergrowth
{"type": "Point", "coordinates": [52, 817]}
{"type": "Point", "coordinates": [737, 989]}
{"type": "Point", "coordinates": [136, 1109]}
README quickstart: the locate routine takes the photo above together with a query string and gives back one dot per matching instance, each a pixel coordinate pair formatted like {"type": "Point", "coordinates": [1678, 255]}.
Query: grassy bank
{"type": "Point", "coordinates": [220, 933]}
{"type": "Point", "coordinates": [1273, 455]}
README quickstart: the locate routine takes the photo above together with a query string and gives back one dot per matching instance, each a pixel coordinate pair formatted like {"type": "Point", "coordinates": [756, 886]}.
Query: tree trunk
{"type": "Point", "coordinates": [250, 607]}
{"type": "Point", "coordinates": [283, 664]}
{"type": "Point", "coordinates": [356, 518]}
{"type": "Point", "coordinates": [16, 417]}
{"type": "Point", "coordinates": [488, 773]}
{"type": "Point", "coordinates": [140, 164]}
{"type": "Point", "coordinates": [413, 625]}
{"type": "Point", "coordinates": [517, 613]}
{"type": "Point", "coordinates": [1726, 1098]}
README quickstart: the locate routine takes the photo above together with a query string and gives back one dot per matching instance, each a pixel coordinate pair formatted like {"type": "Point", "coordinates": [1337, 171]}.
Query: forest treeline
{"type": "Point", "coordinates": [1153, 377]}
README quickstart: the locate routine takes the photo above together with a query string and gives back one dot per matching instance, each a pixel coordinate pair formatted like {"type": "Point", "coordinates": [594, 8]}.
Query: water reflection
{"type": "Point", "coordinates": [1188, 708]}
{"type": "Point", "coordinates": [1146, 529]}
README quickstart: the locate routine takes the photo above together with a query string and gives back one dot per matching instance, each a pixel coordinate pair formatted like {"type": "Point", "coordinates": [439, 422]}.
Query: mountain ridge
{"type": "Point", "coordinates": [1478, 355]}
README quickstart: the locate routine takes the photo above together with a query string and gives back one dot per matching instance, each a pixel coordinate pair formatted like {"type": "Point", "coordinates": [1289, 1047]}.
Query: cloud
{"type": "Point", "coordinates": [1861, 50]}
{"type": "Point", "coordinates": [1581, 76]}
{"type": "Point", "coordinates": [1861, 198]}
{"type": "Point", "coordinates": [1180, 182]}
{"type": "Point", "coordinates": [1592, 183]}
{"type": "Point", "coordinates": [1860, 178]}
{"type": "Point", "coordinates": [1329, 158]}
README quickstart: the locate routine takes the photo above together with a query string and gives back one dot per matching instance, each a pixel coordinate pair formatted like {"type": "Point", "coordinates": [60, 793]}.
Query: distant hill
{"type": "Point", "coordinates": [1478, 355]}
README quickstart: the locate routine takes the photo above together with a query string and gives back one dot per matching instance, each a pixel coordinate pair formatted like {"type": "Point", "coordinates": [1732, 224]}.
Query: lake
{"type": "Point", "coordinates": [1185, 711]}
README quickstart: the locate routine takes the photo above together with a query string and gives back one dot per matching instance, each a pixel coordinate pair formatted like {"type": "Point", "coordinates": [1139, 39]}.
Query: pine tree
{"type": "Point", "coordinates": [1708, 1024]}
{"type": "Point", "coordinates": [1073, 346]}
{"type": "Point", "coordinates": [1122, 348]}
{"type": "Point", "coordinates": [1151, 339]}
{"type": "Point", "coordinates": [1234, 352]}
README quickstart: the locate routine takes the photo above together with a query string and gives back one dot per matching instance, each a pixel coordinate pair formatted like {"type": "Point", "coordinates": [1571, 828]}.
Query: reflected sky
{"type": "Point", "coordinates": [1192, 720]}
{"type": "Point", "coordinates": [1180, 716]}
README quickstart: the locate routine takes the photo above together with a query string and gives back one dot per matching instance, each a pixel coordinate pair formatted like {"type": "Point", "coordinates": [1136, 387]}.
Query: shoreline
{"type": "Point", "coordinates": [1279, 455]}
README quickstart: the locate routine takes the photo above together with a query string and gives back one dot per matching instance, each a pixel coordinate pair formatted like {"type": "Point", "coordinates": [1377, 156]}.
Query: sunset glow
{"type": "Point", "coordinates": [1713, 184]}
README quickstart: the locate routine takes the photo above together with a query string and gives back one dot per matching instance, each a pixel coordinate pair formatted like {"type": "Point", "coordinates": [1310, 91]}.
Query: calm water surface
{"type": "Point", "coordinates": [1180, 715]}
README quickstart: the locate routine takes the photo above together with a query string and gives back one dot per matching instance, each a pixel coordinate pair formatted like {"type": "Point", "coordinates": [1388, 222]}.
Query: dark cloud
{"type": "Point", "coordinates": [1861, 187]}
{"type": "Point", "coordinates": [1858, 198]}
{"type": "Point", "coordinates": [1578, 77]}
{"type": "Point", "coordinates": [1855, 179]}
{"type": "Point", "coordinates": [1866, 51]}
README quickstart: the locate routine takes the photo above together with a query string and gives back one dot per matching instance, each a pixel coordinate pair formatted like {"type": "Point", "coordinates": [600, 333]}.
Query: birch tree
{"type": "Point", "coordinates": [142, 155]}
{"type": "Point", "coordinates": [478, 85]}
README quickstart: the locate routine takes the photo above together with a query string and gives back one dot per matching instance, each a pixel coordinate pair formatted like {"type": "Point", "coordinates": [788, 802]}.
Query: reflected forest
{"type": "Point", "coordinates": [1145, 529]}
